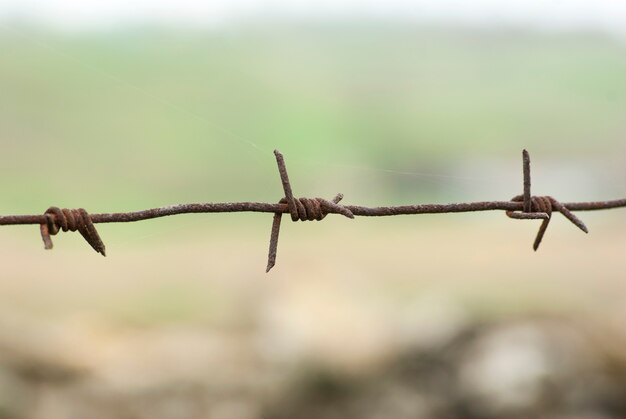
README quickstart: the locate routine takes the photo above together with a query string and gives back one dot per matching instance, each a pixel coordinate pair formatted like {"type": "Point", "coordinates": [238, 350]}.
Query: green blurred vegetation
{"type": "Point", "coordinates": [148, 117]}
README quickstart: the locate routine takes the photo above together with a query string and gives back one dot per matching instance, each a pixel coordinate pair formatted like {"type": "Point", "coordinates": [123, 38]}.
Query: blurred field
{"type": "Point", "coordinates": [180, 320]}
{"type": "Point", "coordinates": [161, 113]}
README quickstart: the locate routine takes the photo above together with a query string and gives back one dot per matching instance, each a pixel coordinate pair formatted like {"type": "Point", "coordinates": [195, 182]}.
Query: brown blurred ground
{"type": "Point", "coordinates": [411, 318]}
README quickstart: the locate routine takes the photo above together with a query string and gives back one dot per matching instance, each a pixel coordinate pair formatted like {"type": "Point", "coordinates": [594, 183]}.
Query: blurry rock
{"type": "Point", "coordinates": [538, 368]}
{"type": "Point", "coordinates": [15, 395]}
{"type": "Point", "coordinates": [43, 351]}
{"type": "Point", "coordinates": [550, 369]}
{"type": "Point", "coordinates": [529, 368]}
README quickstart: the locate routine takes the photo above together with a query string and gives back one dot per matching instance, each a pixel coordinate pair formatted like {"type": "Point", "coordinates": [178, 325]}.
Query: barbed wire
{"type": "Point", "coordinates": [521, 207]}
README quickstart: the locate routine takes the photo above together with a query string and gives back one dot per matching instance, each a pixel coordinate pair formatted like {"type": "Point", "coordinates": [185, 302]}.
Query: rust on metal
{"type": "Point", "coordinates": [540, 207]}
{"type": "Point", "coordinates": [522, 207]}
{"type": "Point", "coordinates": [526, 172]}
{"type": "Point", "coordinates": [303, 209]}
{"type": "Point", "coordinates": [71, 220]}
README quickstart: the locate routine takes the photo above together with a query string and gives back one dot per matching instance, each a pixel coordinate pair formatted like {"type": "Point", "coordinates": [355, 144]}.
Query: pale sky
{"type": "Point", "coordinates": [604, 15]}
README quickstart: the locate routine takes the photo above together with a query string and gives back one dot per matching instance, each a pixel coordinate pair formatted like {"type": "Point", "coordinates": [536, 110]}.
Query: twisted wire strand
{"type": "Point", "coordinates": [523, 207]}
{"type": "Point", "coordinates": [541, 208]}
{"type": "Point", "coordinates": [302, 209]}
{"type": "Point", "coordinates": [71, 220]}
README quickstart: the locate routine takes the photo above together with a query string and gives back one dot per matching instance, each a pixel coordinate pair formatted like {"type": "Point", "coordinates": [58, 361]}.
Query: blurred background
{"type": "Point", "coordinates": [120, 106]}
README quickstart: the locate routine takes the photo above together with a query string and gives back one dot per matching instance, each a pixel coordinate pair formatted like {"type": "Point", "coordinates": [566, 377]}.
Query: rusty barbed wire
{"type": "Point", "coordinates": [521, 207]}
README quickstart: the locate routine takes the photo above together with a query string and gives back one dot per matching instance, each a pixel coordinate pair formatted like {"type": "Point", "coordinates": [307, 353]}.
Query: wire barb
{"type": "Point", "coordinates": [526, 171]}
{"type": "Point", "coordinates": [70, 220]}
{"type": "Point", "coordinates": [522, 207]}
{"type": "Point", "coordinates": [303, 209]}
{"type": "Point", "coordinates": [539, 207]}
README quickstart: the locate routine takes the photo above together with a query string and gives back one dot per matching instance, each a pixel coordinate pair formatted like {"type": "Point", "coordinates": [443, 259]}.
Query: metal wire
{"type": "Point", "coordinates": [523, 207]}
